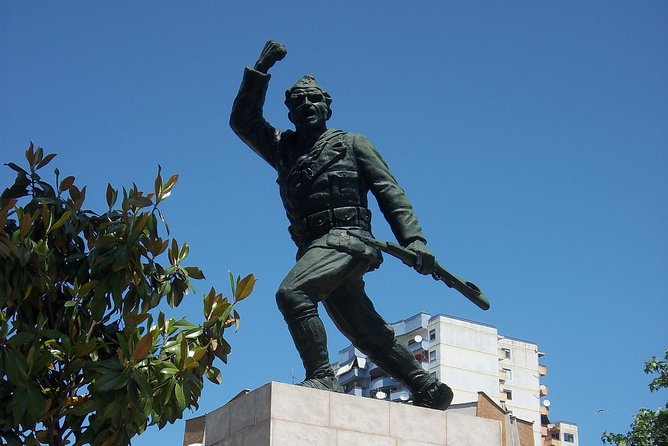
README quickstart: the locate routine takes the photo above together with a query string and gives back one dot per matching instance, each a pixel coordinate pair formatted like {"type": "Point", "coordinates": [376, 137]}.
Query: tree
{"type": "Point", "coordinates": [84, 358]}
{"type": "Point", "coordinates": [649, 428]}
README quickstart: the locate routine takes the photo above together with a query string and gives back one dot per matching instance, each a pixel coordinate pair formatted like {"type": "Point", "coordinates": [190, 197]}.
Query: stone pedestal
{"type": "Point", "coordinates": [279, 414]}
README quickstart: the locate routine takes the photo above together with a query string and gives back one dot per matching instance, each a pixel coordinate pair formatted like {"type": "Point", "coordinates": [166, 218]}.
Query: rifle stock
{"type": "Point", "coordinates": [408, 257]}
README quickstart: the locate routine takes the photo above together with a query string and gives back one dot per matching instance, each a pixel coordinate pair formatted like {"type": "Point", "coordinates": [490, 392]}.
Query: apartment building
{"type": "Point", "coordinates": [471, 358]}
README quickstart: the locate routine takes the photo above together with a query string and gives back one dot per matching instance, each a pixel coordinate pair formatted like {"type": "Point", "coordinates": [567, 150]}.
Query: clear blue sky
{"type": "Point", "coordinates": [531, 138]}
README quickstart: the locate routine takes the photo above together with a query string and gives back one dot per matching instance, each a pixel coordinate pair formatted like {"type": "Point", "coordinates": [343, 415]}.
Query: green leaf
{"type": "Point", "coordinates": [232, 285]}
{"type": "Point", "coordinates": [21, 338]}
{"type": "Point", "coordinates": [237, 320]}
{"type": "Point", "coordinates": [183, 252]}
{"type": "Point", "coordinates": [46, 160]}
{"type": "Point", "coordinates": [194, 272]}
{"type": "Point", "coordinates": [66, 184]}
{"type": "Point", "coordinates": [123, 344]}
{"type": "Point", "coordinates": [193, 333]}
{"type": "Point", "coordinates": [19, 406]}
{"type": "Point", "coordinates": [111, 381]}
{"type": "Point", "coordinates": [244, 287]}
{"type": "Point", "coordinates": [214, 375]}
{"type": "Point", "coordinates": [112, 195]}
{"type": "Point", "coordinates": [180, 397]}
{"type": "Point", "coordinates": [61, 221]}
{"type": "Point", "coordinates": [16, 168]}
{"type": "Point", "coordinates": [143, 346]}
{"type": "Point", "coordinates": [15, 367]}
{"type": "Point", "coordinates": [35, 401]}
{"type": "Point", "coordinates": [157, 185]}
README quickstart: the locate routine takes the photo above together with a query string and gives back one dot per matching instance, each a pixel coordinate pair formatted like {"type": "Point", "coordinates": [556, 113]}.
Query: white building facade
{"type": "Point", "coordinates": [470, 357]}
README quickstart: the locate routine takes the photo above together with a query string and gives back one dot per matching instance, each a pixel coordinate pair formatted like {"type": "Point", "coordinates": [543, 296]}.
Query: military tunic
{"type": "Point", "coordinates": [326, 186]}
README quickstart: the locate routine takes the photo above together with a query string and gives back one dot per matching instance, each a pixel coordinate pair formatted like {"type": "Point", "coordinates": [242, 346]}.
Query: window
{"type": "Point", "coordinates": [506, 352]}
{"type": "Point", "coordinates": [508, 373]}
{"type": "Point", "coordinates": [509, 394]}
{"type": "Point", "coordinates": [432, 356]}
{"type": "Point", "coordinates": [432, 335]}
{"type": "Point", "coordinates": [569, 438]}
{"type": "Point", "coordinates": [555, 435]}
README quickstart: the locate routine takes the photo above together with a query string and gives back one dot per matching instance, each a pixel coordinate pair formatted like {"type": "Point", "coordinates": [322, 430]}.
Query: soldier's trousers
{"type": "Point", "coordinates": [335, 278]}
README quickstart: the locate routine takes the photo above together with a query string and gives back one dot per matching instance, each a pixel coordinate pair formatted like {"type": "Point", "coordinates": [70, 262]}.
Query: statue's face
{"type": "Point", "coordinates": [308, 108]}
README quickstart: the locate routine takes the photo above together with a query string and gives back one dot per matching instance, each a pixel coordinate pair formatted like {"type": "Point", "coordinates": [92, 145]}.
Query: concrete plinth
{"type": "Point", "coordinates": [279, 414]}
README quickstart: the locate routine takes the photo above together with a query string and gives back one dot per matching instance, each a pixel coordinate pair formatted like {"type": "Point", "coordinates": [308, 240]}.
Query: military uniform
{"type": "Point", "coordinates": [324, 189]}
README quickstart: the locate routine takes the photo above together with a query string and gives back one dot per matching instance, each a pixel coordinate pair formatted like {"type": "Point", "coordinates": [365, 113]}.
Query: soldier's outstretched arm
{"type": "Point", "coordinates": [393, 203]}
{"type": "Point", "coordinates": [247, 118]}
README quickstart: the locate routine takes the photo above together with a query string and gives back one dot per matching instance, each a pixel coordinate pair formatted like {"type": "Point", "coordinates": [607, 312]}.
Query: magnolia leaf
{"type": "Point", "coordinates": [167, 188]}
{"type": "Point", "coordinates": [46, 160]}
{"type": "Point", "coordinates": [194, 272]}
{"type": "Point", "coordinates": [244, 287]}
{"type": "Point", "coordinates": [183, 252]}
{"type": "Point", "coordinates": [214, 375]}
{"type": "Point", "coordinates": [87, 287]}
{"type": "Point", "coordinates": [180, 397]}
{"type": "Point", "coordinates": [232, 285]}
{"type": "Point", "coordinates": [237, 320]}
{"type": "Point", "coordinates": [112, 195]}
{"type": "Point", "coordinates": [157, 185]}
{"type": "Point", "coordinates": [38, 155]}
{"type": "Point", "coordinates": [61, 221]}
{"type": "Point", "coordinates": [199, 353]}
{"type": "Point", "coordinates": [143, 347]}
{"type": "Point", "coordinates": [189, 363]}
{"type": "Point", "coordinates": [26, 224]}
{"type": "Point", "coordinates": [66, 184]}
{"type": "Point", "coordinates": [16, 168]}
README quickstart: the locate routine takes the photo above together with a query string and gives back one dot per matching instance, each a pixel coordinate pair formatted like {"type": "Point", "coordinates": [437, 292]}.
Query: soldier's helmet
{"type": "Point", "coordinates": [305, 83]}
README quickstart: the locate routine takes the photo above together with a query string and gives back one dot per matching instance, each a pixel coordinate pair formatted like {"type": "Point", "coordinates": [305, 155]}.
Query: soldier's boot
{"type": "Point", "coordinates": [310, 339]}
{"type": "Point", "coordinates": [400, 363]}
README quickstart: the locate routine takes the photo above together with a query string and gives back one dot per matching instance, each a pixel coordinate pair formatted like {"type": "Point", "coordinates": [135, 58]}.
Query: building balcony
{"type": "Point", "coordinates": [375, 371]}
{"type": "Point", "coordinates": [400, 395]}
{"type": "Point", "coordinates": [353, 375]}
{"type": "Point", "coordinates": [383, 383]}
{"type": "Point", "coordinates": [356, 391]}
{"type": "Point", "coordinates": [543, 390]}
{"type": "Point", "coordinates": [551, 442]}
{"type": "Point", "coordinates": [542, 370]}
{"type": "Point", "coordinates": [416, 347]}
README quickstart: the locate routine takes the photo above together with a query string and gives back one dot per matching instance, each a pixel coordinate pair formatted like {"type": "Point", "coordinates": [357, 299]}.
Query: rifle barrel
{"type": "Point", "coordinates": [467, 289]}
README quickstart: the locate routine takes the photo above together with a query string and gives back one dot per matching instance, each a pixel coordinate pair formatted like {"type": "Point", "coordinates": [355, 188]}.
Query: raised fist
{"type": "Point", "coordinates": [271, 53]}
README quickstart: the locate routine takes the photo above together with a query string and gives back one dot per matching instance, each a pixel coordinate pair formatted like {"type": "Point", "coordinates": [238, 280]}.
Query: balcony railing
{"type": "Point", "coordinates": [417, 346]}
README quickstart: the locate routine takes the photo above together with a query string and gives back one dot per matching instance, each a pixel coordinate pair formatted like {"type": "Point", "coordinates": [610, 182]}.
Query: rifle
{"type": "Point", "coordinates": [468, 289]}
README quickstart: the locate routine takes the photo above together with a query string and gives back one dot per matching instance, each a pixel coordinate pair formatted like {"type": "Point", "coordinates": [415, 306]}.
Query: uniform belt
{"type": "Point", "coordinates": [319, 223]}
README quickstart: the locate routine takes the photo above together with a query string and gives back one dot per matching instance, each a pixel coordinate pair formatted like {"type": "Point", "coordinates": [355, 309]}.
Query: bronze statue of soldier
{"type": "Point", "coordinates": [324, 177]}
